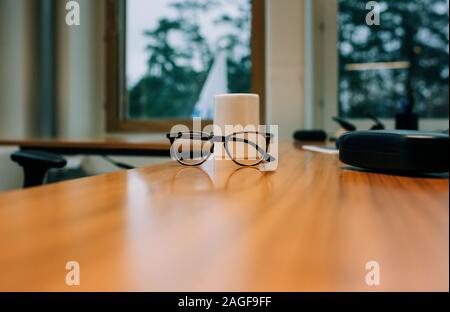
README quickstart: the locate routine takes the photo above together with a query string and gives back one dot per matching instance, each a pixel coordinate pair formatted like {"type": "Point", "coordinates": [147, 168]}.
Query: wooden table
{"type": "Point", "coordinates": [101, 146]}
{"type": "Point", "coordinates": [311, 226]}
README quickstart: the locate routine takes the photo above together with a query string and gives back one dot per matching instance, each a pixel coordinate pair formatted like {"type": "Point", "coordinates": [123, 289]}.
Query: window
{"type": "Point", "coordinates": [405, 58]}
{"type": "Point", "coordinates": [359, 69]}
{"type": "Point", "coordinates": [168, 58]}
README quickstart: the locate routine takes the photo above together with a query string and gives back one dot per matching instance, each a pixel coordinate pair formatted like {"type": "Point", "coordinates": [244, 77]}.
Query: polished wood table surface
{"type": "Point", "coordinates": [312, 225]}
{"type": "Point", "coordinates": [110, 146]}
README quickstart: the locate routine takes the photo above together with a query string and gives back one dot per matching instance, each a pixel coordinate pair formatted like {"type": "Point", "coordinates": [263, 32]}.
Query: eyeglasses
{"type": "Point", "coordinates": [248, 148]}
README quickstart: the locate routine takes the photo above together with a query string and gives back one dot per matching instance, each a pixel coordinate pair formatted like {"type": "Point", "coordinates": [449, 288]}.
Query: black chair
{"type": "Point", "coordinates": [36, 164]}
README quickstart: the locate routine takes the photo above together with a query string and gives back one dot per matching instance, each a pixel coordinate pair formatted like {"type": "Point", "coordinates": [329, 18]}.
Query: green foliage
{"type": "Point", "coordinates": [411, 30]}
{"type": "Point", "coordinates": [175, 74]}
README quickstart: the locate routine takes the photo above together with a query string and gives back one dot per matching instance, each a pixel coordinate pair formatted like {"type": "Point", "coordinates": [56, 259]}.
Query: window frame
{"type": "Point", "coordinates": [323, 99]}
{"type": "Point", "coordinates": [116, 120]}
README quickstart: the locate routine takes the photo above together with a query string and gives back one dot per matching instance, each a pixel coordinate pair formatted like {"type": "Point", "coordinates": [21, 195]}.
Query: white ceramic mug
{"type": "Point", "coordinates": [234, 110]}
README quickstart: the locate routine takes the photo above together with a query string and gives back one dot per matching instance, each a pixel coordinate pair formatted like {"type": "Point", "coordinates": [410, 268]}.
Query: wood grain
{"type": "Point", "coordinates": [310, 226]}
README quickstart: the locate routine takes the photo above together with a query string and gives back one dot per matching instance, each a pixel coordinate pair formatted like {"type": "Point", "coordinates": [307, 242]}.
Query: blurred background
{"type": "Point", "coordinates": [133, 68]}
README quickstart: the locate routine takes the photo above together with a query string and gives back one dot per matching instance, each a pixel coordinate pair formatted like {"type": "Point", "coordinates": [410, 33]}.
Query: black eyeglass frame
{"type": "Point", "coordinates": [191, 135]}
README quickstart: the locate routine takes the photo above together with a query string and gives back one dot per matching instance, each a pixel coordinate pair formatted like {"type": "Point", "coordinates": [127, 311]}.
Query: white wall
{"type": "Point", "coordinates": [285, 65]}
{"type": "Point", "coordinates": [81, 72]}
{"type": "Point", "coordinates": [16, 93]}
{"type": "Point", "coordinates": [11, 175]}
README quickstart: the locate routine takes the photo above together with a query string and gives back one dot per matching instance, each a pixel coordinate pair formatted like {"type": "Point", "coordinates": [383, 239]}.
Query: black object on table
{"type": "Point", "coordinates": [310, 135]}
{"type": "Point", "coordinates": [36, 164]}
{"type": "Point", "coordinates": [396, 151]}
